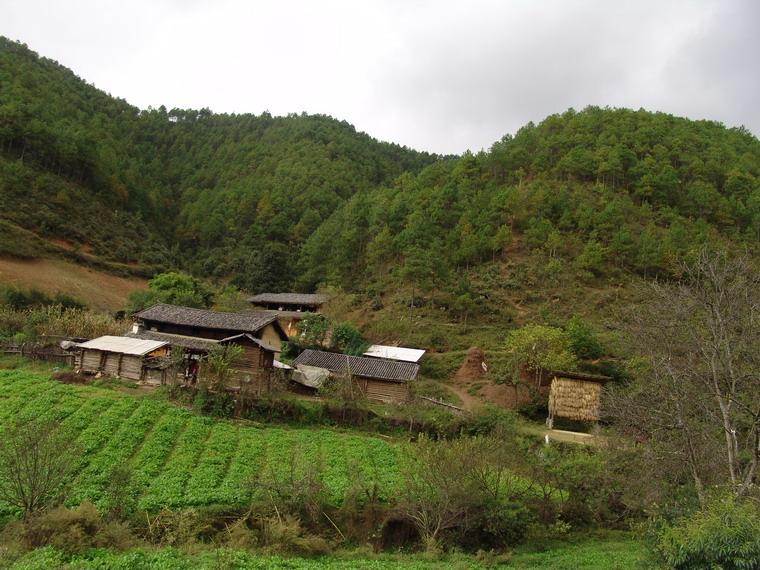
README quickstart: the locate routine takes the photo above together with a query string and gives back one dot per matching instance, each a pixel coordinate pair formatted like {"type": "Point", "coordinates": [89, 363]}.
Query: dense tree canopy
{"type": "Point", "coordinates": [293, 202]}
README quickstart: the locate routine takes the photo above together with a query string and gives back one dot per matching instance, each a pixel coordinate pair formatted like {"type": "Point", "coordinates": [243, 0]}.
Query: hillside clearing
{"type": "Point", "coordinates": [97, 289]}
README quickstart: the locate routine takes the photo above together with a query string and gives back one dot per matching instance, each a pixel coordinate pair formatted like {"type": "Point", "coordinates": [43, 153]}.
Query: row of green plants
{"type": "Point", "coordinates": [276, 490]}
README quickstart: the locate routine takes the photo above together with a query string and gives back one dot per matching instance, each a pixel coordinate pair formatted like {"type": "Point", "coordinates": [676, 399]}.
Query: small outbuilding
{"type": "Point", "coordinates": [575, 396]}
{"type": "Point", "coordinates": [120, 356]}
{"type": "Point", "coordinates": [378, 378]}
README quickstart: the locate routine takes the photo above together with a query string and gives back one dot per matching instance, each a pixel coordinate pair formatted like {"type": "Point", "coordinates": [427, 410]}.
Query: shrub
{"type": "Point", "coordinates": [725, 534]}
{"type": "Point", "coordinates": [75, 530]}
{"type": "Point", "coordinates": [583, 341]}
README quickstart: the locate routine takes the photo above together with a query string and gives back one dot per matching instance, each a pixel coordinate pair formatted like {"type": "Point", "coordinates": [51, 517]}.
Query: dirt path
{"type": "Point", "coordinates": [469, 402]}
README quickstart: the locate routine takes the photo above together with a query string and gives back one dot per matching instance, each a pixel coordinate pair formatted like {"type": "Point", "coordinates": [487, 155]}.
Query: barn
{"type": "Point", "coordinates": [120, 356]}
{"type": "Point", "coordinates": [379, 379]}
{"type": "Point", "coordinates": [575, 396]}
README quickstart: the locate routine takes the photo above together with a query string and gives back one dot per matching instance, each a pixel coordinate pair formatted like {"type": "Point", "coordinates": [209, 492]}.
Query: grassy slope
{"type": "Point", "coordinates": [514, 291]}
{"type": "Point", "coordinates": [612, 552]}
{"type": "Point", "coordinates": [99, 290]}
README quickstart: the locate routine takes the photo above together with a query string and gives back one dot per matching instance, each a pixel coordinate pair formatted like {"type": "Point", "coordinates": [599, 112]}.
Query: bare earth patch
{"type": "Point", "coordinates": [97, 289]}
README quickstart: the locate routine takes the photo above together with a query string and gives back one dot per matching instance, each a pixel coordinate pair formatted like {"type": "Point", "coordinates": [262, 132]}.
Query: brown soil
{"type": "Point", "coordinates": [98, 290]}
{"type": "Point", "coordinates": [472, 367]}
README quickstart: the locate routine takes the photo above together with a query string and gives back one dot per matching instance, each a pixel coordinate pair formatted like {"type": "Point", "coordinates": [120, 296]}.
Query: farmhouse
{"type": "Point", "coordinates": [214, 325]}
{"type": "Point", "coordinates": [131, 358]}
{"type": "Point", "coordinates": [250, 369]}
{"type": "Point", "coordinates": [299, 302]}
{"type": "Point", "coordinates": [575, 396]}
{"type": "Point", "coordinates": [290, 308]}
{"type": "Point", "coordinates": [378, 378]}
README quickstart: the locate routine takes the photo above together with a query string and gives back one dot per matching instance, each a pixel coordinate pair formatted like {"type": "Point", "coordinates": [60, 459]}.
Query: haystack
{"type": "Point", "coordinates": [473, 366]}
{"type": "Point", "coordinates": [575, 396]}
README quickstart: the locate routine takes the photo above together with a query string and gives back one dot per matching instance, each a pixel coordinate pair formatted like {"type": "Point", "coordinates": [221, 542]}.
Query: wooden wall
{"type": "Point", "coordinates": [384, 391]}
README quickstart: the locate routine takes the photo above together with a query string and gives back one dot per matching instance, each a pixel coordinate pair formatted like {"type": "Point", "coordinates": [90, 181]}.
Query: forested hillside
{"type": "Point", "coordinates": [222, 195]}
{"type": "Point", "coordinates": [605, 189]}
{"type": "Point", "coordinates": [302, 201]}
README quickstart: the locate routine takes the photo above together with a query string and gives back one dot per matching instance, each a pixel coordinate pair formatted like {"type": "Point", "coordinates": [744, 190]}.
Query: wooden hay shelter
{"type": "Point", "coordinates": [575, 396]}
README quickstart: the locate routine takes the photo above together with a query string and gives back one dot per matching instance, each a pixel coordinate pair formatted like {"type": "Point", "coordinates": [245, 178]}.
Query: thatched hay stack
{"type": "Point", "coordinates": [473, 366]}
{"type": "Point", "coordinates": [575, 397]}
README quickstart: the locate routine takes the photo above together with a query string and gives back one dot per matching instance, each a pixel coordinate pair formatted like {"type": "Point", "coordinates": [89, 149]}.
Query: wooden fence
{"type": "Point", "coordinates": [38, 351]}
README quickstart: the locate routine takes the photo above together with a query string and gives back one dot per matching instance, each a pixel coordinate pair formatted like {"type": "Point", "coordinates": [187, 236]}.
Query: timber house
{"type": "Point", "coordinates": [213, 325]}
{"type": "Point", "coordinates": [290, 308]}
{"type": "Point", "coordinates": [378, 378]}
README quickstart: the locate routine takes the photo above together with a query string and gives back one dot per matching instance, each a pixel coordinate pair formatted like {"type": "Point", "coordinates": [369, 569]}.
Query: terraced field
{"type": "Point", "coordinates": [178, 459]}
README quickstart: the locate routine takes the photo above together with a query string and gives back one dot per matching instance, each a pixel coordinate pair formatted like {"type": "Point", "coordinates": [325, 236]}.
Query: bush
{"type": "Point", "coordinates": [75, 530]}
{"type": "Point", "coordinates": [725, 534]}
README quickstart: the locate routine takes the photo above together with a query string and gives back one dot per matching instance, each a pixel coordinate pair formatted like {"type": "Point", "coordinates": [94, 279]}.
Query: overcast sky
{"type": "Point", "coordinates": [435, 75]}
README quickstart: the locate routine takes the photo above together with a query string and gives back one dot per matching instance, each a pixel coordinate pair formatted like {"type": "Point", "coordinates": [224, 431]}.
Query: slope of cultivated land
{"type": "Point", "coordinates": [178, 459]}
{"type": "Point", "coordinates": [97, 289]}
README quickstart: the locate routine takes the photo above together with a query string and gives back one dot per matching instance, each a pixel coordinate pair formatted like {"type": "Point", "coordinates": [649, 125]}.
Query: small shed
{"type": "Point", "coordinates": [395, 353]}
{"type": "Point", "coordinates": [575, 396]}
{"type": "Point", "coordinates": [379, 379]}
{"type": "Point", "coordinates": [119, 356]}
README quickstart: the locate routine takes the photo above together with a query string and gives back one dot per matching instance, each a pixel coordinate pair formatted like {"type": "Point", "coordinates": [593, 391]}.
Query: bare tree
{"type": "Point", "coordinates": [696, 403]}
{"type": "Point", "coordinates": [36, 459]}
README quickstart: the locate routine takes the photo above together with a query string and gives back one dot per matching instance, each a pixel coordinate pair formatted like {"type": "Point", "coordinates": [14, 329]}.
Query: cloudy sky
{"type": "Point", "coordinates": [437, 75]}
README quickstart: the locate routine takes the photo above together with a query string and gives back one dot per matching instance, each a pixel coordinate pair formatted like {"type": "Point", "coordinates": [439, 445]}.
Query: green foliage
{"type": "Point", "coordinates": [539, 347]}
{"type": "Point", "coordinates": [582, 339]}
{"type": "Point", "coordinates": [177, 459]}
{"type": "Point", "coordinates": [54, 320]}
{"type": "Point", "coordinates": [347, 339]}
{"type": "Point", "coordinates": [172, 288]}
{"type": "Point", "coordinates": [17, 299]}
{"type": "Point", "coordinates": [724, 534]}
{"type": "Point", "coordinates": [313, 329]}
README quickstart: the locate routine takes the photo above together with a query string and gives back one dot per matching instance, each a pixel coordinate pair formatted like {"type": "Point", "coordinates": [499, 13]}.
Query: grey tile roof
{"type": "Point", "coordinates": [190, 342]}
{"type": "Point", "coordinates": [202, 318]}
{"type": "Point", "coordinates": [380, 368]}
{"type": "Point", "coordinates": [314, 299]}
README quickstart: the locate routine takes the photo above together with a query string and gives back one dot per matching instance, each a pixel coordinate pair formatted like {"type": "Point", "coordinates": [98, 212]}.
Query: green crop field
{"type": "Point", "coordinates": [178, 459]}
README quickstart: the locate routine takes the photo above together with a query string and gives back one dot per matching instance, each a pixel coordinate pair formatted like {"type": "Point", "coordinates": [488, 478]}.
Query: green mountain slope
{"type": "Point", "coordinates": [589, 198]}
{"type": "Point", "coordinates": [226, 195]}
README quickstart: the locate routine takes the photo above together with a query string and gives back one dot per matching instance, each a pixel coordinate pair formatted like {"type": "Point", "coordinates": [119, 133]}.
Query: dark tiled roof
{"type": "Point", "coordinates": [314, 299]}
{"type": "Point", "coordinates": [201, 318]}
{"type": "Point", "coordinates": [189, 342]}
{"type": "Point", "coordinates": [380, 368]}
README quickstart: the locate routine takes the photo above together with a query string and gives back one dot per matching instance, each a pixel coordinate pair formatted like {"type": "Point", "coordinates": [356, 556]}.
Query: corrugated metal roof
{"type": "Point", "coordinates": [380, 368]}
{"type": "Point", "coordinates": [173, 314]}
{"type": "Point", "coordinates": [395, 353]}
{"type": "Point", "coordinates": [314, 299]}
{"type": "Point", "coordinates": [123, 345]}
